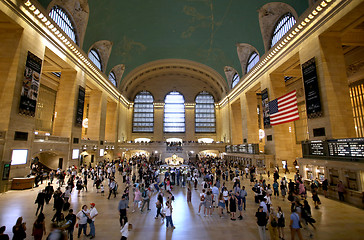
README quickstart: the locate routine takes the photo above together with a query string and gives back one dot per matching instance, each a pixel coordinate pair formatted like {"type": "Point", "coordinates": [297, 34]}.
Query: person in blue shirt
{"type": "Point", "coordinates": [295, 225]}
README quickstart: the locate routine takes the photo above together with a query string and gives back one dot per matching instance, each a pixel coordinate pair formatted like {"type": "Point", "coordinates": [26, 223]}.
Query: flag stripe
{"type": "Point", "coordinates": [286, 121]}
{"type": "Point", "coordinates": [284, 112]}
{"type": "Point", "coordinates": [288, 115]}
{"type": "Point", "coordinates": [284, 109]}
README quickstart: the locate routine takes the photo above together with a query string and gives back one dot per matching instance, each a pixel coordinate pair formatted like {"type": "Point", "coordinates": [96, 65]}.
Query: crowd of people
{"type": "Point", "coordinates": [218, 183]}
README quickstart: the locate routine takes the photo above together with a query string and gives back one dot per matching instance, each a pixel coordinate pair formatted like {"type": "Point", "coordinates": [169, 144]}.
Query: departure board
{"type": "Point", "coordinates": [351, 147]}
{"type": "Point", "coordinates": [317, 148]}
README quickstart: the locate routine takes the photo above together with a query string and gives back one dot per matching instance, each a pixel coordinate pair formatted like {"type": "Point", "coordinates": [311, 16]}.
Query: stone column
{"type": "Point", "coordinates": [236, 123]}
{"type": "Point", "coordinates": [249, 115]}
{"type": "Point", "coordinates": [111, 121]}
{"type": "Point", "coordinates": [97, 115]}
{"type": "Point", "coordinates": [158, 122]}
{"type": "Point", "coordinates": [66, 104]}
{"type": "Point", "coordinates": [283, 144]}
{"type": "Point", "coordinates": [337, 110]}
{"type": "Point", "coordinates": [190, 123]}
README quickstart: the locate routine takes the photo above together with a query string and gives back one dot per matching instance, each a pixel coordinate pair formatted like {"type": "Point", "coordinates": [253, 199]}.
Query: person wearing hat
{"type": "Point", "coordinates": [2, 235]}
{"type": "Point", "coordinates": [93, 214]}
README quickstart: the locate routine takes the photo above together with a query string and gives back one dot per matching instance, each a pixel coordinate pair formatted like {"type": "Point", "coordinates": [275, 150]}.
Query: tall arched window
{"type": "Point", "coordinates": [174, 113]}
{"type": "Point", "coordinates": [282, 27]}
{"type": "Point", "coordinates": [112, 78]}
{"type": "Point", "coordinates": [235, 80]}
{"type": "Point", "coordinates": [205, 113]}
{"type": "Point", "coordinates": [253, 59]}
{"type": "Point", "coordinates": [60, 17]}
{"type": "Point", "coordinates": [94, 56]}
{"type": "Point", "coordinates": [143, 117]}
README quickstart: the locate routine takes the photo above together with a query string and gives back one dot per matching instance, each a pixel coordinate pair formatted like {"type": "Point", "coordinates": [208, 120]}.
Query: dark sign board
{"type": "Point", "coordinates": [349, 148]}
{"type": "Point", "coordinates": [80, 106]}
{"type": "Point", "coordinates": [312, 93]}
{"type": "Point", "coordinates": [346, 147]}
{"type": "Point", "coordinates": [243, 148]}
{"type": "Point", "coordinates": [6, 171]}
{"type": "Point", "coordinates": [265, 106]}
{"type": "Point", "coordinates": [29, 91]}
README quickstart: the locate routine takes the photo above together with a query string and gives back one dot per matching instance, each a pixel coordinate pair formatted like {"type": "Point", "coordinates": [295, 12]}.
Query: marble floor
{"type": "Point", "coordinates": [335, 220]}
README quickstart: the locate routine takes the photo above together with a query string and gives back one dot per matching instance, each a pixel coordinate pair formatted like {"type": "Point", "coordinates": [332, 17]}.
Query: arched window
{"type": "Point", "coordinates": [143, 117]}
{"type": "Point", "coordinates": [235, 81]}
{"type": "Point", "coordinates": [205, 113]}
{"type": "Point", "coordinates": [60, 17]}
{"type": "Point", "coordinates": [112, 78]}
{"type": "Point", "coordinates": [174, 113]}
{"type": "Point", "coordinates": [94, 56]}
{"type": "Point", "coordinates": [282, 27]}
{"type": "Point", "coordinates": [253, 59]}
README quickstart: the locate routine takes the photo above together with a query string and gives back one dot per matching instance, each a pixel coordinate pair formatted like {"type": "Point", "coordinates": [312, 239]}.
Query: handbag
{"type": "Point", "coordinates": [89, 220]}
{"type": "Point", "coordinates": [130, 226]}
{"type": "Point", "coordinates": [273, 223]}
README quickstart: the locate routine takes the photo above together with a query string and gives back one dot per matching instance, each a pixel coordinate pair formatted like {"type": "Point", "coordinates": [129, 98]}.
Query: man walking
{"type": "Point", "coordinates": [40, 200]}
{"type": "Point", "coordinates": [112, 188]}
{"type": "Point", "coordinates": [123, 204]}
{"type": "Point", "coordinates": [93, 215]}
{"type": "Point", "coordinates": [146, 199]}
{"type": "Point", "coordinates": [71, 220]}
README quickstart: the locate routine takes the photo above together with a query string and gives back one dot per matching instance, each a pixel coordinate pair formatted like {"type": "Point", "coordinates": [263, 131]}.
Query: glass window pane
{"type": "Point", "coordinates": [112, 78]}
{"type": "Point", "coordinates": [235, 81]}
{"type": "Point", "coordinates": [205, 120]}
{"type": "Point", "coordinates": [253, 59]}
{"type": "Point", "coordinates": [282, 27]}
{"type": "Point", "coordinates": [174, 113]}
{"type": "Point", "coordinates": [60, 17]}
{"type": "Point", "coordinates": [143, 117]}
{"type": "Point", "coordinates": [94, 56]}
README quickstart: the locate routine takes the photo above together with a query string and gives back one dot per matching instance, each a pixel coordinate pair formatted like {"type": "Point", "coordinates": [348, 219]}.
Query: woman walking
{"type": "Point", "coordinates": [39, 227]}
{"type": "Point", "coordinates": [19, 229]}
{"type": "Point", "coordinates": [221, 204]}
{"type": "Point", "coordinates": [281, 223]}
{"type": "Point", "coordinates": [189, 194]}
{"type": "Point", "coordinates": [233, 203]}
{"type": "Point", "coordinates": [208, 204]}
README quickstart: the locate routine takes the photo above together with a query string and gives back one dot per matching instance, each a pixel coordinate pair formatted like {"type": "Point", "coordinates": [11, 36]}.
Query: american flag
{"type": "Point", "coordinates": [284, 109]}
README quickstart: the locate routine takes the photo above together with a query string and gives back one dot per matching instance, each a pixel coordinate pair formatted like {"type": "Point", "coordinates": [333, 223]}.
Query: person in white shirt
{"type": "Point", "coordinates": [168, 213]}
{"type": "Point", "coordinates": [202, 201]}
{"type": "Point", "coordinates": [82, 220]}
{"type": "Point", "coordinates": [125, 230]}
{"type": "Point", "coordinates": [93, 215]}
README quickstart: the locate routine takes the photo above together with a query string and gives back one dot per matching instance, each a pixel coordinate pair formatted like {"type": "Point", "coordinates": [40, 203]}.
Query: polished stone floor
{"type": "Point", "coordinates": [335, 220]}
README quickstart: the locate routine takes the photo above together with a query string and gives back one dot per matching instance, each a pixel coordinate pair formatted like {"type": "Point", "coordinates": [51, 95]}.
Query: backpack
{"type": "Point", "coordinates": [205, 185]}
{"type": "Point", "coordinates": [202, 198]}
{"type": "Point", "coordinates": [144, 194]}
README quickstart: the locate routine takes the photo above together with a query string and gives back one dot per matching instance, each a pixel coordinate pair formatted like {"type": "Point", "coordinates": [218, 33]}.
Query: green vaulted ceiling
{"type": "Point", "coordinates": [205, 31]}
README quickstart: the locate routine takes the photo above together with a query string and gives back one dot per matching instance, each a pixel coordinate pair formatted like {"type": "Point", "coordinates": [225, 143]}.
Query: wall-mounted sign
{"type": "Point", "coordinates": [6, 171]}
{"type": "Point", "coordinates": [265, 106]}
{"type": "Point", "coordinates": [312, 93]}
{"type": "Point", "coordinates": [29, 91]}
{"type": "Point", "coordinates": [80, 105]}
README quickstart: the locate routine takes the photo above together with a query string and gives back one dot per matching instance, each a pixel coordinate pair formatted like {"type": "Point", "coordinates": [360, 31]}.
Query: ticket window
{"type": "Point", "coordinates": [351, 180]}
{"type": "Point", "coordinates": [334, 177]}
{"type": "Point", "coordinates": [321, 174]}
{"type": "Point", "coordinates": [309, 173]}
